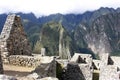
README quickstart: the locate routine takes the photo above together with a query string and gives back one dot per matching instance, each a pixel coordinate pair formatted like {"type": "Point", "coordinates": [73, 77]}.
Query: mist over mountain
{"type": "Point", "coordinates": [91, 32]}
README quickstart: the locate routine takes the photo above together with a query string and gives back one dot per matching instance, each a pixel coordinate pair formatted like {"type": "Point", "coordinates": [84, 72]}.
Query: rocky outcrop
{"type": "Point", "coordinates": [102, 36]}
{"type": "Point", "coordinates": [55, 40]}
{"type": "Point", "coordinates": [81, 26]}
{"type": "Point", "coordinates": [64, 49]}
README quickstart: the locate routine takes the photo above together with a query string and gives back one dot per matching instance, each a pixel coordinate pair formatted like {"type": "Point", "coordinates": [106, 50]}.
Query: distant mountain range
{"type": "Point", "coordinates": [92, 32]}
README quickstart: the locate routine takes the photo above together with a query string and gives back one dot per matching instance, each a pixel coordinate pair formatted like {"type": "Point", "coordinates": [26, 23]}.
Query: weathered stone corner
{"type": "Point", "coordinates": [13, 40]}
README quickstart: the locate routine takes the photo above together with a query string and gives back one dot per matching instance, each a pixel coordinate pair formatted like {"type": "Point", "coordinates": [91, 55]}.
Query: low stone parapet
{"type": "Point", "coordinates": [25, 61]}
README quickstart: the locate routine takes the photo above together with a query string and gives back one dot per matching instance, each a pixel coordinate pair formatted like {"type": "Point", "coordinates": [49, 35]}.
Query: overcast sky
{"type": "Point", "coordinates": [46, 7]}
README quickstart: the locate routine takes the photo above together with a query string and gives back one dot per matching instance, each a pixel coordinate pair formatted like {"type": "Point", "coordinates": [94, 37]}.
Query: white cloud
{"type": "Point", "coordinates": [46, 7]}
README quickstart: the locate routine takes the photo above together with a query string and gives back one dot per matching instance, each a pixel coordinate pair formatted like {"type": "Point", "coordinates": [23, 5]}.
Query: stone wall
{"type": "Point", "coordinates": [80, 67]}
{"type": "Point", "coordinates": [46, 69]}
{"type": "Point", "coordinates": [73, 72]}
{"type": "Point", "coordinates": [82, 58]}
{"type": "Point", "coordinates": [108, 68]}
{"type": "Point", "coordinates": [96, 64]}
{"type": "Point", "coordinates": [63, 62]}
{"type": "Point", "coordinates": [116, 60]}
{"type": "Point", "coordinates": [13, 40]}
{"type": "Point", "coordinates": [87, 71]}
{"type": "Point", "coordinates": [109, 73]}
{"type": "Point", "coordinates": [25, 61]}
{"type": "Point", "coordinates": [104, 60]}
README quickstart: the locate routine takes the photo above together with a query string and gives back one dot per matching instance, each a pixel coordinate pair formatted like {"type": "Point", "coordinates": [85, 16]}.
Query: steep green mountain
{"type": "Point", "coordinates": [30, 16]}
{"type": "Point", "coordinates": [69, 21]}
{"type": "Point", "coordinates": [90, 32]}
{"type": "Point", "coordinates": [31, 26]}
{"type": "Point", "coordinates": [54, 38]}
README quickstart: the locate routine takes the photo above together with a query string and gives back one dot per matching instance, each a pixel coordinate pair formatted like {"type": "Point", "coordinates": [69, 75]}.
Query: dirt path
{"type": "Point", "coordinates": [16, 70]}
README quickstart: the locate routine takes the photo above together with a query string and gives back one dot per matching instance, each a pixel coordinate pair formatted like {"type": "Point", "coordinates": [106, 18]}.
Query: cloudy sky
{"type": "Point", "coordinates": [46, 7]}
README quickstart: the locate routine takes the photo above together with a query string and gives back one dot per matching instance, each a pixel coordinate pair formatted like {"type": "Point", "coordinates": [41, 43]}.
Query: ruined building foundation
{"type": "Point", "coordinates": [15, 50]}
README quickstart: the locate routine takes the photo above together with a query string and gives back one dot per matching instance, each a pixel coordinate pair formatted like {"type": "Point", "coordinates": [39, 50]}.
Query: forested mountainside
{"type": "Point", "coordinates": [55, 40]}
{"type": "Point", "coordinates": [91, 32]}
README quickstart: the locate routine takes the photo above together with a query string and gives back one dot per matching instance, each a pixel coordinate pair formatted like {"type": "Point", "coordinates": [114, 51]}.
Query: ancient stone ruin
{"type": "Point", "coordinates": [79, 68]}
{"type": "Point", "coordinates": [109, 67]}
{"type": "Point", "coordinates": [13, 40]}
{"type": "Point", "coordinates": [83, 67]}
{"type": "Point", "coordinates": [16, 51]}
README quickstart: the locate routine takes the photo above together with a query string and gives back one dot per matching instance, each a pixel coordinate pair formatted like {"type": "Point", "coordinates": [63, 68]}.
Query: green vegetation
{"type": "Point", "coordinates": [117, 53]}
{"type": "Point", "coordinates": [33, 31]}
{"type": "Point", "coordinates": [50, 37]}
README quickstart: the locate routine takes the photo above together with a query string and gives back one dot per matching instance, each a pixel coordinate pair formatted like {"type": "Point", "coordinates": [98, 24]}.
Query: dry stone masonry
{"type": "Point", "coordinates": [79, 68]}
{"type": "Point", "coordinates": [96, 64]}
{"type": "Point", "coordinates": [46, 69]}
{"type": "Point", "coordinates": [13, 40]}
{"type": "Point", "coordinates": [109, 70]}
{"type": "Point", "coordinates": [25, 61]}
{"type": "Point", "coordinates": [73, 72]}
{"type": "Point", "coordinates": [15, 50]}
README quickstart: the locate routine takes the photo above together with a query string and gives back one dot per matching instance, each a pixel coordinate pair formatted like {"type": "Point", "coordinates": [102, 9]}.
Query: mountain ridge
{"type": "Point", "coordinates": [78, 26]}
